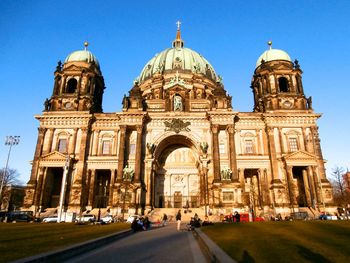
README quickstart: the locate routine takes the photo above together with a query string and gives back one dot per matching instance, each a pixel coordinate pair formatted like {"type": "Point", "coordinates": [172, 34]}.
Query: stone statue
{"type": "Point", "coordinates": [125, 102]}
{"type": "Point", "coordinates": [150, 148]}
{"type": "Point", "coordinates": [226, 174]}
{"type": "Point", "coordinates": [309, 102]}
{"type": "Point", "coordinates": [128, 173]}
{"type": "Point", "coordinates": [47, 104]}
{"type": "Point", "coordinates": [177, 103]}
{"type": "Point", "coordinates": [204, 147]}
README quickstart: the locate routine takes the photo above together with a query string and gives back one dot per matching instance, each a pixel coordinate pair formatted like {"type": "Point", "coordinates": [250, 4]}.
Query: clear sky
{"type": "Point", "coordinates": [124, 35]}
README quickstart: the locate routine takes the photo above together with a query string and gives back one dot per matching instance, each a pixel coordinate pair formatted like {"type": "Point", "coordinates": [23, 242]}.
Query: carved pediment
{"type": "Point", "coordinates": [301, 157]}
{"type": "Point", "coordinates": [54, 156]}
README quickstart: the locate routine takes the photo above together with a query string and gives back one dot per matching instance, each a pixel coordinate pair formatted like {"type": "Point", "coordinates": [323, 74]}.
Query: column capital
{"type": "Point", "coordinates": [230, 128]}
{"type": "Point", "coordinates": [215, 128]}
{"type": "Point", "coordinates": [139, 128]}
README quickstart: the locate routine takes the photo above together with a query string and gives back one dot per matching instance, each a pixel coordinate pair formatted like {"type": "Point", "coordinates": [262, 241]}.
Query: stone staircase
{"type": "Point", "coordinates": [157, 214]}
{"type": "Point", "coordinates": [312, 213]}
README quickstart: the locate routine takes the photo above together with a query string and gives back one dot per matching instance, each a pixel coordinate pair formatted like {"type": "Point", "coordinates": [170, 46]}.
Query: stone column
{"type": "Point", "coordinates": [306, 187]}
{"type": "Point", "coordinates": [291, 186]}
{"type": "Point", "coordinates": [39, 186]}
{"type": "Point", "coordinates": [138, 154]}
{"type": "Point", "coordinates": [272, 153]}
{"type": "Point", "coordinates": [280, 134]}
{"type": "Point", "coordinates": [48, 146]}
{"type": "Point", "coordinates": [91, 188]}
{"type": "Point", "coordinates": [232, 152]}
{"type": "Point", "coordinates": [111, 188]}
{"type": "Point", "coordinates": [148, 182]}
{"type": "Point", "coordinates": [311, 186]}
{"type": "Point", "coordinates": [73, 142]}
{"type": "Point", "coordinates": [121, 154]}
{"type": "Point", "coordinates": [37, 154]}
{"type": "Point", "coordinates": [216, 156]}
{"type": "Point", "coordinates": [95, 143]}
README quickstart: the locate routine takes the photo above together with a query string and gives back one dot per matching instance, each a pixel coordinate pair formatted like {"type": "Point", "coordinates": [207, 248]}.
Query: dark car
{"type": "Point", "coordinates": [20, 216]}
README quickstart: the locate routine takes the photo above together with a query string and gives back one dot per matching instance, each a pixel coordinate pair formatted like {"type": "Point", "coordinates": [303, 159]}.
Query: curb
{"type": "Point", "coordinates": [212, 250]}
{"type": "Point", "coordinates": [74, 250]}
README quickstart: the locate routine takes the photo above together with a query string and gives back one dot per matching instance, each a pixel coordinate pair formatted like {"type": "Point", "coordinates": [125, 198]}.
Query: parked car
{"type": "Point", "coordinates": [107, 219]}
{"type": "Point", "coordinates": [327, 217]}
{"type": "Point", "coordinates": [20, 216]}
{"type": "Point", "coordinates": [86, 218]}
{"type": "Point", "coordinates": [50, 219]}
{"type": "Point", "coordinates": [299, 216]}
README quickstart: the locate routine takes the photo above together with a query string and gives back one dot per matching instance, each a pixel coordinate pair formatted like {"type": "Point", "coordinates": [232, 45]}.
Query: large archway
{"type": "Point", "coordinates": [177, 181]}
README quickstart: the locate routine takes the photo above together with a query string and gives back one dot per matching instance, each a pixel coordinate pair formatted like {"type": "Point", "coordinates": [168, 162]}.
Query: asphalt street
{"type": "Point", "coordinates": [164, 244]}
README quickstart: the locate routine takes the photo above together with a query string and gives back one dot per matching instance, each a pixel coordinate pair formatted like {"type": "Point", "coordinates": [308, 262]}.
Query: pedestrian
{"type": "Point", "coordinates": [178, 220]}
{"type": "Point", "coordinates": [238, 217]}
{"type": "Point", "coordinates": [165, 218]}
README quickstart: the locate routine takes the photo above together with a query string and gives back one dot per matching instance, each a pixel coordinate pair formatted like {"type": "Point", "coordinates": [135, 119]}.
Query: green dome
{"type": "Point", "coordinates": [82, 55]}
{"type": "Point", "coordinates": [180, 58]}
{"type": "Point", "coordinates": [273, 54]}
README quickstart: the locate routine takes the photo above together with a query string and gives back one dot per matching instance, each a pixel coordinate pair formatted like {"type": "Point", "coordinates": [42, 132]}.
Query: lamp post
{"type": "Point", "coordinates": [128, 174]}
{"type": "Point", "coordinates": [9, 141]}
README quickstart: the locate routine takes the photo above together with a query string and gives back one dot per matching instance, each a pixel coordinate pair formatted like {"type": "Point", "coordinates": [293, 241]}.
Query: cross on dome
{"type": "Point", "coordinates": [178, 42]}
{"type": "Point", "coordinates": [178, 23]}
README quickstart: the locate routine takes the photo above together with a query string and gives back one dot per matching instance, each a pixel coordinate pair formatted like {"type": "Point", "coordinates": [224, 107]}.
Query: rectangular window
{"type": "Point", "coordinates": [62, 145]}
{"type": "Point", "coordinates": [106, 147]}
{"type": "Point", "coordinates": [227, 196]}
{"type": "Point", "coordinates": [249, 146]}
{"type": "Point", "coordinates": [293, 144]}
{"type": "Point", "coordinates": [222, 148]}
{"type": "Point", "coordinates": [132, 149]}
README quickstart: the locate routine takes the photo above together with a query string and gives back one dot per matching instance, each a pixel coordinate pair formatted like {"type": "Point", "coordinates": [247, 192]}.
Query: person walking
{"type": "Point", "coordinates": [165, 218]}
{"type": "Point", "coordinates": [178, 220]}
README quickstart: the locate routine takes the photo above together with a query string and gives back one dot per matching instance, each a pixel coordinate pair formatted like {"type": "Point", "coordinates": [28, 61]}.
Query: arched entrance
{"type": "Point", "coordinates": [176, 176]}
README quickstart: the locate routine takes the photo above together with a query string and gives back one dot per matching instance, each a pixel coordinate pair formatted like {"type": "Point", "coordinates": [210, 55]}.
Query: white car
{"type": "Point", "coordinates": [86, 218]}
{"type": "Point", "coordinates": [50, 219]}
{"type": "Point", "coordinates": [107, 219]}
{"type": "Point", "coordinates": [131, 218]}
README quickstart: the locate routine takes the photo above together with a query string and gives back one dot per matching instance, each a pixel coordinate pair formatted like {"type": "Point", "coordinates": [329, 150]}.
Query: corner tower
{"type": "Point", "coordinates": [277, 83]}
{"type": "Point", "coordinates": [78, 84]}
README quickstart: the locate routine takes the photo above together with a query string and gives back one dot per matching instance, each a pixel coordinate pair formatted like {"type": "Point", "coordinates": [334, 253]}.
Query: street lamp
{"type": "Point", "coordinates": [128, 174]}
{"type": "Point", "coordinates": [9, 141]}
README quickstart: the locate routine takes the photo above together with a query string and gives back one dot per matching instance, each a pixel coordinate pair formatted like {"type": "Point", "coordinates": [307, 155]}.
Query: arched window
{"type": "Point", "coordinates": [283, 84]}
{"type": "Point", "coordinates": [72, 85]}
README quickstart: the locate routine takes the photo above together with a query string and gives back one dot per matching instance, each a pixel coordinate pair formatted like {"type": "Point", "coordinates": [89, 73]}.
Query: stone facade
{"type": "Point", "coordinates": [178, 142]}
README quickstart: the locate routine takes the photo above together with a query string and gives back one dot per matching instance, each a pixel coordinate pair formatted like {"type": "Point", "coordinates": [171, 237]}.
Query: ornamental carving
{"type": "Point", "coordinates": [177, 125]}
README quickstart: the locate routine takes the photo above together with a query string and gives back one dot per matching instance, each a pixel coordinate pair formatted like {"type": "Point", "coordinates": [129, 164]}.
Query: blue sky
{"type": "Point", "coordinates": [124, 35]}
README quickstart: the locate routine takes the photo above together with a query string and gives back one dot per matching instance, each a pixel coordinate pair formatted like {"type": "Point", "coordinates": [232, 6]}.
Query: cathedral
{"type": "Point", "coordinates": [177, 142]}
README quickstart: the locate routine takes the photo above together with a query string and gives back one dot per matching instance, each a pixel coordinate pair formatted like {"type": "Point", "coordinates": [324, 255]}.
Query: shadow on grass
{"type": "Point", "coordinates": [246, 258]}
{"type": "Point", "coordinates": [311, 256]}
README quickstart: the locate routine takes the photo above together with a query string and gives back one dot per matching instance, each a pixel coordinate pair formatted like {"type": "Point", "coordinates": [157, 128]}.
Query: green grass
{"type": "Point", "coordinates": [298, 241]}
{"type": "Point", "coordinates": [24, 239]}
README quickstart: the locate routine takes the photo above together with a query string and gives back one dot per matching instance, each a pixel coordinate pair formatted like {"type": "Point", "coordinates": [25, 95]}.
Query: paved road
{"type": "Point", "coordinates": [164, 244]}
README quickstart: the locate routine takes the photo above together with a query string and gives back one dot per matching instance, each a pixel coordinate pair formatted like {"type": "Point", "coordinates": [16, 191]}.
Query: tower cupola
{"type": "Point", "coordinates": [79, 84]}
{"type": "Point", "coordinates": [277, 83]}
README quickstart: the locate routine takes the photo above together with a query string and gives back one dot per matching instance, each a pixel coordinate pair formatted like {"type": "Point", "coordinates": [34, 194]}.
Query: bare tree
{"type": "Point", "coordinates": [341, 197]}
{"type": "Point", "coordinates": [10, 177]}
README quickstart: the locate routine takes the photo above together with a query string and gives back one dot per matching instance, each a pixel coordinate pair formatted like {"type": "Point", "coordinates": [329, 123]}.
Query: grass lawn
{"type": "Point", "coordinates": [298, 241]}
{"type": "Point", "coordinates": [24, 239]}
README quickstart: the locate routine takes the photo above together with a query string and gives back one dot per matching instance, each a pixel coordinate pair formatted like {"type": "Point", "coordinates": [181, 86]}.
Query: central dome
{"type": "Point", "coordinates": [177, 58]}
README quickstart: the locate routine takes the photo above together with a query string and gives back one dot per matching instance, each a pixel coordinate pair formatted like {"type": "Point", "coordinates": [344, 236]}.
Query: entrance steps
{"type": "Point", "coordinates": [49, 212]}
{"type": "Point", "coordinates": [312, 213]}
{"type": "Point", "coordinates": [157, 214]}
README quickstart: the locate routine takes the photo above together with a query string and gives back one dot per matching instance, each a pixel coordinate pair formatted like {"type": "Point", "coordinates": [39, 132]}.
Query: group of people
{"type": "Point", "coordinates": [235, 217]}
{"type": "Point", "coordinates": [141, 223]}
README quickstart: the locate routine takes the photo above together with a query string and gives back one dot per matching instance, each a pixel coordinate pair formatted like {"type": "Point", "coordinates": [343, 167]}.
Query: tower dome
{"type": "Point", "coordinates": [177, 57]}
{"type": "Point", "coordinates": [82, 56]}
{"type": "Point", "coordinates": [272, 54]}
